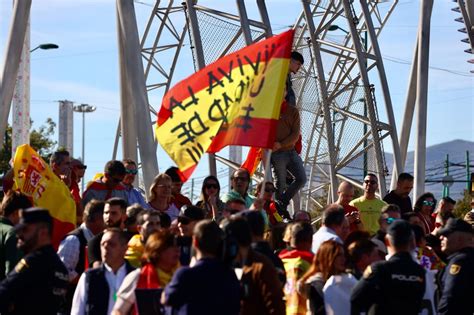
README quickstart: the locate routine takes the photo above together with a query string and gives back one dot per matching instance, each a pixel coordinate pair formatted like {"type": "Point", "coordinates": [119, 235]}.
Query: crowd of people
{"type": "Point", "coordinates": [233, 253]}
{"type": "Point", "coordinates": [240, 252]}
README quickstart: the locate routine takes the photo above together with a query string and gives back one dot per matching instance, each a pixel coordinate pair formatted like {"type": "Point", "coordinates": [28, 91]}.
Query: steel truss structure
{"type": "Point", "coordinates": [343, 124]}
{"type": "Point", "coordinates": [342, 127]}
{"type": "Point", "coordinates": [339, 91]}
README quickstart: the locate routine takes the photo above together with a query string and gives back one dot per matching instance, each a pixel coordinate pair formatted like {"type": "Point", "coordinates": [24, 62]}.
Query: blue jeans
{"type": "Point", "coordinates": [282, 162]}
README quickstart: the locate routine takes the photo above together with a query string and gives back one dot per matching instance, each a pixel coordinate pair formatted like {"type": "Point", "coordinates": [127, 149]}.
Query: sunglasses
{"type": "Point", "coordinates": [243, 179]}
{"type": "Point", "coordinates": [133, 172]}
{"type": "Point", "coordinates": [164, 186]}
{"type": "Point", "coordinates": [81, 167]}
{"type": "Point", "coordinates": [269, 190]}
{"type": "Point", "coordinates": [371, 182]}
{"type": "Point", "coordinates": [209, 186]}
{"type": "Point", "coordinates": [390, 220]}
{"type": "Point", "coordinates": [428, 203]}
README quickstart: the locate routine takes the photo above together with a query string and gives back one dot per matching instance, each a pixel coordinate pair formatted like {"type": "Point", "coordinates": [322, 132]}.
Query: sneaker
{"type": "Point", "coordinates": [282, 211]}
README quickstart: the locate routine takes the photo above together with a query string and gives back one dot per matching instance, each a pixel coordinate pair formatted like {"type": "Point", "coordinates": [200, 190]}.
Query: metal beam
{"type": "Point", "coordinates": [199, 55]}
{"type": "Point", "coordinates": [362, 62]}
{"type": "Point", "coordinates": [127, 114]}
{"type": "Point", "coordinates": [11, 62]}
{"type": "Point", "coordinates": [385, 90]}
{"type": "Point", "coordinates": [135, 74]}
{"type": "Point", "coordinates": [422, 96]}
{"type": "Point", "coordinates": [323, 97]}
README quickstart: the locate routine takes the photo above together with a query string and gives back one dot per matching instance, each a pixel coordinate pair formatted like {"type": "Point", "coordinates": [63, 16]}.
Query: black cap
{"type": "Point", "coordinates": [33, 215]}
{"type": "Point", "coordinates": [190, 213]}
{"type": "Point", "coordinates": [455, 225]}
{"type": "Point", "coordinates": [400, 231]}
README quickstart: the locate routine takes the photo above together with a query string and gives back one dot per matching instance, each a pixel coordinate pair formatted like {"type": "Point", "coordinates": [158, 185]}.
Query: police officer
{"type": "Point", "coordinates": [38, 283]}
{"type": "Point", "coordinates": [395, 286]}
{"type": "Point", "coordinates": [457, 279]}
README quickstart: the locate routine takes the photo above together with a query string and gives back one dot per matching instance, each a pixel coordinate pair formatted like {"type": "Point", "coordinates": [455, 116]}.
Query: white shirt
{"type": "Point", "coordinates": [322, 235]}
{"type": "Point", "coordinates": [69, 249]}
{"type": "Point", "coordinates": [113, 281]}
{"type": "Point", "coordinates": [126, 294]}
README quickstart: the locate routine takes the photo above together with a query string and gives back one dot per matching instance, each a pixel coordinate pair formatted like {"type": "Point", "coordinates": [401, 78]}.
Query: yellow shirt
{"type": "Point", "coordinates": [370, 210]}
{"type": "Point", "coordinates": [135, 251]}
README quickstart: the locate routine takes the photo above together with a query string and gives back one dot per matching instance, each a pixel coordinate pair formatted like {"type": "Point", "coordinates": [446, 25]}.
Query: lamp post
{"type": "Point", "coordinates": [335, 27]}
{"type": "Point", "coordinates": [84, 108]}
{"type": "Point", "coordinates": [21, 97]}
{"type": "Point", "coordinates": [45, 47]}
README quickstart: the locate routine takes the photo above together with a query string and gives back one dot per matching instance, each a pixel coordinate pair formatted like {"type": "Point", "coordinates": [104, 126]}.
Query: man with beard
{"type": "Point", "coordinates": [400, 196]}
{"type": "Point", "coordinates": [114, 216]}
{"type": "Point", "coordinates": [38, 283]}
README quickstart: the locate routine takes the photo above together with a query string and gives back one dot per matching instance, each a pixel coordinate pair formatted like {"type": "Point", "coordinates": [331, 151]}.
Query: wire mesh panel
{"type": "Point", "coordinates": [220, 36]}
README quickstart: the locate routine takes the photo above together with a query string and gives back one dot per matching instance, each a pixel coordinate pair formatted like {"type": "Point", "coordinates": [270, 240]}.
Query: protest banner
{"type": "Point", "coordinates": [233, 101]}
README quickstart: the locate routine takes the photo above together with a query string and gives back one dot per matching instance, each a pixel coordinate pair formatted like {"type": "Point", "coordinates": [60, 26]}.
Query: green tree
{"type": "Point", "coordinates": [40, 140]}
{"type": "Point", "coordinates": [463, 205]}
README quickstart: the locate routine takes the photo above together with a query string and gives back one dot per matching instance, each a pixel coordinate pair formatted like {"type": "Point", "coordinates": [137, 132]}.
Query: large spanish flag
{"type": "Point", "coordinates": [34, 178]}
{"type": "Point", "coordinates": [235, 100]}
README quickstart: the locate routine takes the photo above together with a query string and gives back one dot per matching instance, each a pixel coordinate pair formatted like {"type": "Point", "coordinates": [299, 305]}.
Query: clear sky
{"type": "Point", "coordinates": [85, 67]}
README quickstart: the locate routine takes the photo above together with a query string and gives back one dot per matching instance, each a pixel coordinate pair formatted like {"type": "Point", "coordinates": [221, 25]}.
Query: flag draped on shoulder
{"type": "Point", "coordinates": [233, 101]}
{"type": "Point", "coordinates": [34, 178]}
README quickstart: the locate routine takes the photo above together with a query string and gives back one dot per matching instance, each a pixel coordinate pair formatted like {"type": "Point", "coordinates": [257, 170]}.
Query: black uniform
{"type": "Point", "coordinates": [388, 287]}
{"type": "Point", "coordinates": [37, 285]}
{"type": "Point", "coordinates": [457, 284]}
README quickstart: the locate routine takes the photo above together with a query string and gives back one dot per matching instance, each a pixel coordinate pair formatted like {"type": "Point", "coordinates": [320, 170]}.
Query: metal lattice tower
{"type": "Point", "coordinates": [342, 126]}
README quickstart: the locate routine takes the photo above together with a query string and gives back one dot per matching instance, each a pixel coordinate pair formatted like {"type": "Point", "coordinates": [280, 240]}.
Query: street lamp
{"type": "Point", "coordinates": [45, 47]}
{"type": "Point", "coordinates": [84, 108]}
{"type": "Point", "coordinates": [21, 99]}
{"type": "Point", "coordinates": [334, 27]}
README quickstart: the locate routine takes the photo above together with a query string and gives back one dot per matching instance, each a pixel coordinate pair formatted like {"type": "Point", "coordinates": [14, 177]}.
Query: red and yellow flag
{"type": "Point", "coordinates": [34, 178]}
{"type": "Point", "coordinates": [235, 100]}
{"type": "Point", "coordinates": [254, 157]}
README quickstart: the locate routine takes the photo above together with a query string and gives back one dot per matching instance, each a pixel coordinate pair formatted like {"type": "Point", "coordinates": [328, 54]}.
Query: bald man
{"type": "Point", "coordinates": [345, 193]}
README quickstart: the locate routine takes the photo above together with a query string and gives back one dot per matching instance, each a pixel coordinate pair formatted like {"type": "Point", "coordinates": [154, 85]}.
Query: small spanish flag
{"type": "Point", "coordinates": [235, 100]}
{"type": "Point", "coordinates": [33, 177]}
{"type": "Point", "coordinates": [254, 157]}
